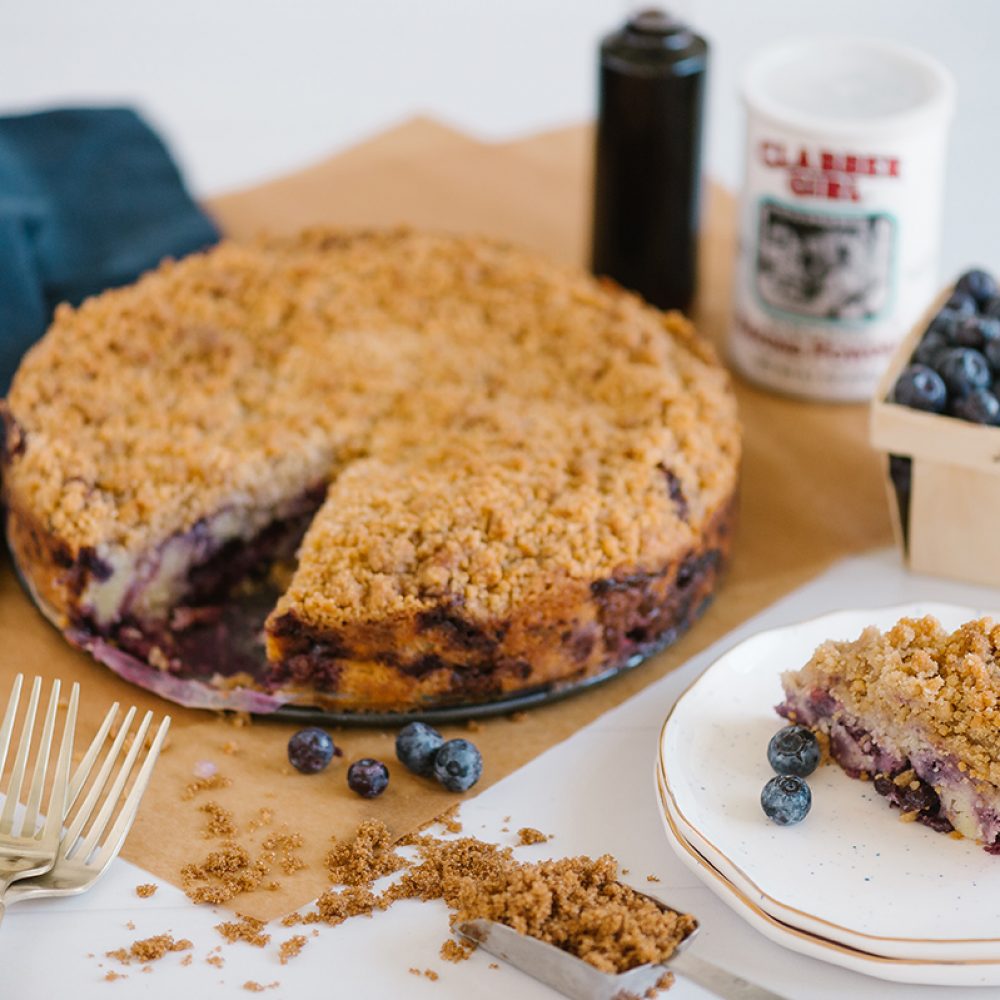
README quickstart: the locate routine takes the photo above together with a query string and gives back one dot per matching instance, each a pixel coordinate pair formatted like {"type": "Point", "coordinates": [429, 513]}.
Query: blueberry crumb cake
{"type": "Point", "coordinates": [368, 470]}
{"type": "Point", "coordinates": [917, 710]}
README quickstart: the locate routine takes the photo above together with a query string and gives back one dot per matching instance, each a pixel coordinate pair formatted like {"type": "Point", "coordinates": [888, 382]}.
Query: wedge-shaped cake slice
{"type": "Point", "coordinates": [917, 710]}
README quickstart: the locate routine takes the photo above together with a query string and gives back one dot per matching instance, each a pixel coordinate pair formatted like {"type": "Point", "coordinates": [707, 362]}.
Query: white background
{"type": "Point", "coordinates": [245, 89]}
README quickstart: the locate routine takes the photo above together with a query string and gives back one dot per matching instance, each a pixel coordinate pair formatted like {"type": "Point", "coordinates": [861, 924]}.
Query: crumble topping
{"type": "Point", "coordinates": [529, 835]}
{"type": "Point", "coordinates": [146, 890]}
{"type": "Point", "coordinates": [388, 363]}
{"type": "Point", "coordinates": [244, 928]}
{"type": "Point", "coordinates": [944, 685]}
{"type": "Point", "coordinates": [291, 948]}
{"type": "Point", "coordinates": [149, 949]}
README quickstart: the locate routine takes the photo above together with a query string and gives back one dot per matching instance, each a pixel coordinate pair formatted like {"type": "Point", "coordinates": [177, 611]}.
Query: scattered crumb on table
{"type": "Point", "coordinates": [287, 950]}
{"type": "Point", "coordinates": [652, 878]}
{"type": "Point", "coordinates": [529, 835]}
{"type": "Point", "coordinates": [457, 951]}
{"type": "Point", "coordinates": [217, 780]}
{"type": "Point", "coordinates": [244, 928]}
{"type": "Point", "coordinates": [146, 890]}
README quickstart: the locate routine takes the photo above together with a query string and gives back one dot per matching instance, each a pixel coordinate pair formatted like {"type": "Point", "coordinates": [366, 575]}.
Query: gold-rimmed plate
{"type": "Point", "coordinates": [851, 872]}
{"type": "Point", "coordinates": [926, 972]}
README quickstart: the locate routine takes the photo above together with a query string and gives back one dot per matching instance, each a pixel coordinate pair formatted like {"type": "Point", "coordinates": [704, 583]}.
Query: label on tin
{"type": "Point", "coordinates": [837, 259]}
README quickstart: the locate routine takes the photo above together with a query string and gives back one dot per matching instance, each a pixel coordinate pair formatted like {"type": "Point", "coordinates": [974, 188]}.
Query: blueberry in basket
{"type": "Point", "coordinates": [955, 368]}
{"type": "Point", "coordinates": [921, 388]}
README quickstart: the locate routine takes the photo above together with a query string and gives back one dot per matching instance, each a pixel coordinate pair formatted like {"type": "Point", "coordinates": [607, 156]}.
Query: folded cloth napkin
{"type": "Point", "coordinates": [89, 198]}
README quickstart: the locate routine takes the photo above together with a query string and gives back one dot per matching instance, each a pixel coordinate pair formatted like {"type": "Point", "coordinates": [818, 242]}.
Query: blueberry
{"type": "Point", "coordinates": [945, 323]}
{"type": "Point", "coordinates": [416, 745]}
{"type": "Point", "coordinates": [793, 750]}
{"type": "Point", "coordinates": [786, 799]}
{"type": "Point", "coordinates": [977, 283]}
{"type": "Point", "coordinates": [931, 345]}
{"type": "Point", "coordinates": [976, 331]}
{"type": "Point", "coordinates": [980, 407]}
{"type": "Point", "coordinates": [963, 370]}
{"type": "Point", "coordinates": [961, 303]}
{"type": "Point", "coordinates": [458, 765]}
{"type": "Point", "coordinates": [992, 352]}
{"type": "Point", "coordinates": [991, 307]}
{"type": "Point", "coordinates": [368, 777]}
{"type": "Point", "coordinates": [920, 388]}
{"type": "Point", "coordinates": [310, 750]}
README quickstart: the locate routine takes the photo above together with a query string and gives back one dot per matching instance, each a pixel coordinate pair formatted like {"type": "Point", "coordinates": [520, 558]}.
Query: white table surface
{"type": "Point", "coordinates": [245, 89]}
{"type": "Point", "coordinates": [593, 792]}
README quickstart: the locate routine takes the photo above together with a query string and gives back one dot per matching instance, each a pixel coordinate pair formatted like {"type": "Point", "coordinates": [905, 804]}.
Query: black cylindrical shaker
{"type": "Point", "coordinates": [648, 164]}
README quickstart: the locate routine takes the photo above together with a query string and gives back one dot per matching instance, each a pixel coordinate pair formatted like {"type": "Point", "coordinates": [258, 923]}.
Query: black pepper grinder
{"type": "Point", "coordinates": [648, 168]}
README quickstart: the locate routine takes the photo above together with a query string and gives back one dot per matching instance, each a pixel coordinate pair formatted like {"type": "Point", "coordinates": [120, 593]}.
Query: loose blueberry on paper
{"type": "Point", "coordinates": [416, 746]}
{"type": "Point", "coordinates": [458, 765]}
{"type": "Point", "coordinates": [955, 369]}
{"type": "Point", "coordinates": [794, 750]}
{"type": "Point", "coordinates": [310, 750]}
{"type": "Point", "coordinates": [368, 777]}
{"type": "Point", "coordinates": [786, 799]}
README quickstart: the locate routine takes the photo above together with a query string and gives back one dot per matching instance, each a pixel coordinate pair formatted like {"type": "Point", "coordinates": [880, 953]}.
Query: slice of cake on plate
{"type": "Point", "coordinates": [917, 710]}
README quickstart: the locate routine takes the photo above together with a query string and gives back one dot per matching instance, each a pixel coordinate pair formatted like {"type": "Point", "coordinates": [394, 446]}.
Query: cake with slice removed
{"type": "Point", "coordinates": [369, 470]}
{"type": "Point", "coordinates": [917, 710]}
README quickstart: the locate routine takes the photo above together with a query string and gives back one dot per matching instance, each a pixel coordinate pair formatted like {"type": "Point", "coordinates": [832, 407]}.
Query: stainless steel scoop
{"type": "Point", "coordinates": [575, 978]}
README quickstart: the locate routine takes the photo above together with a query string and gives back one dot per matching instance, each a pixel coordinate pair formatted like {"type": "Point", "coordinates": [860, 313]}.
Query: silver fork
{"type": "Point", "coordinates": [84, 857]}
{"type": "Point", "coordinates": [24, 848]}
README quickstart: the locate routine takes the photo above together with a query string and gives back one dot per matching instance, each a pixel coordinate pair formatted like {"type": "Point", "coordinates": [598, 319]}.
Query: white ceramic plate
{"type": "Point", "coordinates": [927, 973]}
{"type": "Point", "coordinates": [851, 871]}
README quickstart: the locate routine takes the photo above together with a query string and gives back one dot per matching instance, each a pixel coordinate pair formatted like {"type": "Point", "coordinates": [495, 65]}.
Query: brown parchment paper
{"type": "Point", "coordinates": [811, 492]}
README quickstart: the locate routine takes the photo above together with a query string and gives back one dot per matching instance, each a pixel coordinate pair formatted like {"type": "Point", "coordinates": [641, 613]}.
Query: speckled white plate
{"type": "Point", "coordinates": [851, 871]}
{"type": "Point", "coordinates": [924, 971]}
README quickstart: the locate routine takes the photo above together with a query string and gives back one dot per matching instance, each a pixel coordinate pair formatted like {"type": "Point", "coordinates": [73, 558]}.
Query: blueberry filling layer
{"type": "Point", "coordinates": [217, 627]}
{"type": "Point", "coordinates": [925, 787]}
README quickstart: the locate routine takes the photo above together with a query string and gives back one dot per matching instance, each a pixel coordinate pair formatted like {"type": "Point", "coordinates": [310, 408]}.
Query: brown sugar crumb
{"type": "Point", "coordinates": [529, 835]}
{"type": "Point", "coordinates": [223, 874]}
{"type": "Point", "coordinates": [652, 878]}
{"type": "Point", "coordinates": [110, 976]}
{"type": "Point", "coordinates": [335, 907]}
{"type": "Point", "coordinates": [431, 975]}
{"type": "Point", "coordinates": [149, 949]}
{"type": "Point", "coordinates": [244, 928]}
{"type": "Point", "coordinates": [576, 904]}
{"type": "Point", "coordinates": [231, 748]}
{"type": "Point", "coordinates": [146, 968]}
{"type": "Point", "coordinates": [365, 858]}
{"type": "Point", "coordinates": [239, 719]}
{"type": "Point", "coordinates": [663, 983]}
{"type": "Point", "coordinates": [457, 951]}
{"type": "Point", "coordinates": [415, 972]}
{"type": "Point", "coordinates": [474, 725]}
{"type": "Point", "coordinates": [292, 919]}
{"type": "Point", "coordinates": [287, 950]}
{"type": "Point", "coordinates": [281, 846]}
{"type": "Point", "coordinates": [187, 959]}
{"type": "Point", "coordinates": [213, 781]}
{"type": "Point", "coordinates": [448, 821]}
{"type": "Point", "coordinates": [220, 821]}
{"type": "Point", "coordinates": [146, 890]}
{"type": "Point", "coordinates": [130, 925]}
{"type": "Point", "coordinates": [217, 960]}
{"type": "Point", "coordinates": [518, 716]}
{"type": "Point", "coordinates": [264, 817]}
{"type": "Point", "coordinates": [493, 965]}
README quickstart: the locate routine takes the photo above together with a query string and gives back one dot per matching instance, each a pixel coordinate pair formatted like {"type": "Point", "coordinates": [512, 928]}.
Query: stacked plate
{"type": "Point", "coordinates": [851, 884]}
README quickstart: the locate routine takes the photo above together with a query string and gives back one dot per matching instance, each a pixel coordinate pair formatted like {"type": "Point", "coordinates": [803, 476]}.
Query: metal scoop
{"type": "Point", "coordinates": [580, 980]}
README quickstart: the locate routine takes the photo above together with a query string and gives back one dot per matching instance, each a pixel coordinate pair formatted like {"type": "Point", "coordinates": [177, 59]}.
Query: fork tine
{"type": "Point", "coordinates": [20, 761]}
{"type": "Point", "coordinates": [111, 801]}
{"type": "Point", "coordinates": [84, 812]}
{"type": "Point", "coordinates": [41, 768]}
{"type": "Point", "coordinates": [8, 719]}
{"type": "Point", "coordinates": [86, 765]}
{"type": "Point", "coordinates": [59, 796]}
{"type": "Point", "coordinates": [130, 807]}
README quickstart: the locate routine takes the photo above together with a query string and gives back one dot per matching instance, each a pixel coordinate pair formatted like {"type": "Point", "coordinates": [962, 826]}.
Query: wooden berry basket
{"type": "Point", "coordinates": [953, 525]}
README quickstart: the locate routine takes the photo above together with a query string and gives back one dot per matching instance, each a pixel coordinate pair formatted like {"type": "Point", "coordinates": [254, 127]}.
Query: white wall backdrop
{"type": "Point", "coordinates": [245, 89]}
